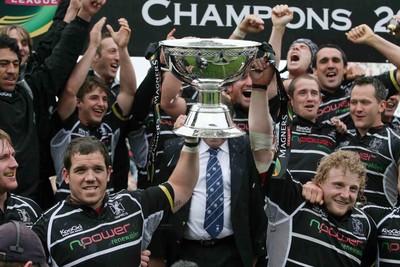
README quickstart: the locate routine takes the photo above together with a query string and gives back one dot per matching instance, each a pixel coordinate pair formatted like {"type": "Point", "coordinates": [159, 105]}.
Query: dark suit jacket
{"type": "Point", "coordinates": [248, 218]}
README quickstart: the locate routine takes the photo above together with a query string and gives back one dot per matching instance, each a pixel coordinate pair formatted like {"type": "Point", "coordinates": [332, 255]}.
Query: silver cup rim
{"type": "Point", "coordinates": [200, 43]}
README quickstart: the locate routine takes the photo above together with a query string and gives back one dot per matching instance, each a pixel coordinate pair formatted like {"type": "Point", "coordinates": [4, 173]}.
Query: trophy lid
{"type": "Point", "coordinates": [209, 43]}
{"type": "Point", "coordinates": [198, 61]}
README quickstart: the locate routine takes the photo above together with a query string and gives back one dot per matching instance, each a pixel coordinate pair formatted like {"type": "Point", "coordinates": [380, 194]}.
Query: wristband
{"type": "Point", "coordinates": [191, 145]}
{"type": "Point", "coordinates": [259, 86]}
{"type": "Point", "coordinates": [191, 140]}
{"type": "Point", "coordinates": [189, 149]}
{"type": "Point", "coordinates": [239, 33]}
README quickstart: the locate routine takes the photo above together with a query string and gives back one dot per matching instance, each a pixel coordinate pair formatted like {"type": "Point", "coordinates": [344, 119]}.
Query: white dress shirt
{"type": "Point", "coordinates": [195, 228]}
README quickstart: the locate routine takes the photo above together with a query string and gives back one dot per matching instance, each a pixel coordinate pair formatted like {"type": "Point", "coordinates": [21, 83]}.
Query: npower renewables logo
{"type": "Point", "coordinates": [34, 15]}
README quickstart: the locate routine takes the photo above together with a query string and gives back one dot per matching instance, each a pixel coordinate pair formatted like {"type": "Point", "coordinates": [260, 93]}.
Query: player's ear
{"type": "Point", "coordinates": [65, 175]}
{"type": "Point", "coordinates": [109, 171]}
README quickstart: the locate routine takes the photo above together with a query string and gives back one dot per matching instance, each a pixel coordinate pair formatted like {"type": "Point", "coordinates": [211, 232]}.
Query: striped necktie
{"type": "Point", "coordinates": [214, 217]}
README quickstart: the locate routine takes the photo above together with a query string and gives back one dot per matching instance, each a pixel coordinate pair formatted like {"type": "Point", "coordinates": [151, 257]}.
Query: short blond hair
{"type": "Point", "coordinates": [5, 137]}
{"type": "Point", "coordinates": [347, 161]}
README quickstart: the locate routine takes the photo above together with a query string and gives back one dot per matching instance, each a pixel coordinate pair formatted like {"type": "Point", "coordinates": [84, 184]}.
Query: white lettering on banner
{"type": "Point", "coordinates": [336, 15]}
{"type": "Point", "coordinates": [380, 26]}
{"type": "Point", "coordinates": [338, 19]}
{"type": "Point", "coordinates": [227, 15]}
{"type": "Point", "coordinates": [33, 2]}
{"type": "Point", "coordinates": [232, 14]}
{"type": "Point", "coordinates": [211, 14]}
{"type": "Point", "coordinates": [146, 10]}
{"type": "Point", "coordinates": [191, 14]}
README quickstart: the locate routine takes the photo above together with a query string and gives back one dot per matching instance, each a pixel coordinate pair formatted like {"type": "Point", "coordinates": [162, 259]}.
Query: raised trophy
{"type": "Point", "coordinates": [209, 65]}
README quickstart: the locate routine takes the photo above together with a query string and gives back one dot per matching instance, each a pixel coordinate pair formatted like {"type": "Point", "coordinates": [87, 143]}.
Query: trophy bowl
{"type": "Point", "coordinates": [209, 65]}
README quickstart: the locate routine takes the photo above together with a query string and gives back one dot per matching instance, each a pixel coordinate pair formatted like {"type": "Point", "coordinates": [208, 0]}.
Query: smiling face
{"type": "Point", "coordinates": [330, 69]}
{"type": "Point", "coordinates": [340, 191]}
{"type": "Point", "coordinates": [93, 106]}
{"type": "Point", "coordinates": [23, 43]}
{"type": "Point", "coordinates": [365, 109]}
{"type": "Point", "coordinates": [87, 178]}
{"type": "Point", "coordinates": [8, 167]}
{"type": "Point", "coordinates": [306, 98]}
{"type": "Point", "coordinates": [240, 92]}
{"type": "Point", "coordinates": [9, 69]}
{"type": "Point", "coordinates": [106, 63]}
{"type": "Point", "coordinates": [298, 59]}
{"type": "Point", "coordinates": [391, 106]}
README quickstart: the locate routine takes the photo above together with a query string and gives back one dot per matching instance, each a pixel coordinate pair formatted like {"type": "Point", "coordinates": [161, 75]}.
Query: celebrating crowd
{"type": "Point", "coordinates": [315, 180]}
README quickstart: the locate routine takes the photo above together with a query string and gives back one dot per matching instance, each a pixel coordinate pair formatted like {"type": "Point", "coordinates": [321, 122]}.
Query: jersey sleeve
{"type": "Point", "coordinates": [40, 228]}
{"type": "Point", "coordinates": [157, 204]}
{"type": "Point", "coordinates": [377, 213]}
{"type": "Point", "coordinates": [389, 79]}
{"type": "Point", "coordinates": [158, 198]}
{"type": "Point", "coordinates": [371, 249]}
{"type": "Point", "coordinates": [284, 192]}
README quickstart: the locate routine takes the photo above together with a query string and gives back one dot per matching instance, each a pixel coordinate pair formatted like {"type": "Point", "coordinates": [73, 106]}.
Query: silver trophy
{"type": "Point", "coordinates": [209, 65]}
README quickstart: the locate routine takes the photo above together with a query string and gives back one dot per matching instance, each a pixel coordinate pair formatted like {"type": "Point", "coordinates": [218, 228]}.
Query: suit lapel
{"type": "Point", "coordinates": [237, 159]}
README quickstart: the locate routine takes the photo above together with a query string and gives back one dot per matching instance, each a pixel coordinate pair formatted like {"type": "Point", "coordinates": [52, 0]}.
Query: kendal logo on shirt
{"type": "Point", "coordinates": [72, 230]}
{"type": "Point", "coordinates": [6, 94]}
{"type": "Point", "coordinates": [24, 215]}
{"type": "Point", "coordinates": [117, 209]}
{"type": "Point", "coordinates": [358, 227]}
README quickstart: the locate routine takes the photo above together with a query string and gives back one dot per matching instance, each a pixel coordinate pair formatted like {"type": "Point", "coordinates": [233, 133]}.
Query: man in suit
{"type": "Point", "coordinates": [241, 241]}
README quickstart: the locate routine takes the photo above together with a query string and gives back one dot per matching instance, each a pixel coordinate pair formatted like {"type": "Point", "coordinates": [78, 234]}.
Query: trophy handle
{"type": "Point", "coordinates": [166, 69]}
{"type": "Point", "coordinates": [168, 66]}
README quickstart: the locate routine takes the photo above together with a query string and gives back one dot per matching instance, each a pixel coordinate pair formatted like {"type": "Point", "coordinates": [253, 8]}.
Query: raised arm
{"type": "Point", "coordinates": [65, 13]}
{"type": "Point", "coordinates": [72, 10]}
{"type": "Point", "coordinates": [363, 34]}
{"type": "Point", "coordinates": [260, 121]}
{"type": "Point", "coordinates": [52, 77]}
{"type": "Point", "coordinates": [171, 101]}
{"type": "Point", "coordinates": [281, 16]}
{"type": "Point", "coordinates": [67, 102]}
{"type": "Point", "coordinates": [184, 177]}
{"type": "Point", "coordinates": [127, 72]}
{"type": "Point", "coordinates": [250, 24]}
{"type": "Point", "coordinates": [89, 8]}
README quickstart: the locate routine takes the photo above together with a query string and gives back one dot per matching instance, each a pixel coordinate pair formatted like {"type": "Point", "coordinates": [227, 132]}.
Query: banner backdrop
{"type": "Point", "coordinates": [34, 15]}
{"type": "Point", "coordinates": [322, 21]}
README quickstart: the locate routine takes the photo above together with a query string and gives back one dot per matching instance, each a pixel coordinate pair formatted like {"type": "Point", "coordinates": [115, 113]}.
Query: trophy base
{"type": "Point", "coordinates": [209, 121]}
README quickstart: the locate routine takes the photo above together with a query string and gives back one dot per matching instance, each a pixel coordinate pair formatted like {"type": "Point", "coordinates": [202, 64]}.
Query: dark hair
{"type": "Point", "coordinates": [380, 90]}
{"type": "Point", "coordinates": [293, 83]}
{"type": "Point", "coordinates": [313, 49]}
{"type": "Point", "coordinates": [85, 146]}
{"type": "Point", "coordinates": [10, 43]}
{"type": "Point", "coordinates": [344, 57]}
{"type": "Point", "coordinates": [90, 83]}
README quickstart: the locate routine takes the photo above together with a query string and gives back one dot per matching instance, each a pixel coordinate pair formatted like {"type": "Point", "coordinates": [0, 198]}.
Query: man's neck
{"type": "Point", "coordinates": [331, 91]}
{"type": "Point", "coordinates": [363, 132]}
{"type": "Point", "coordinates": [104, 79]}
